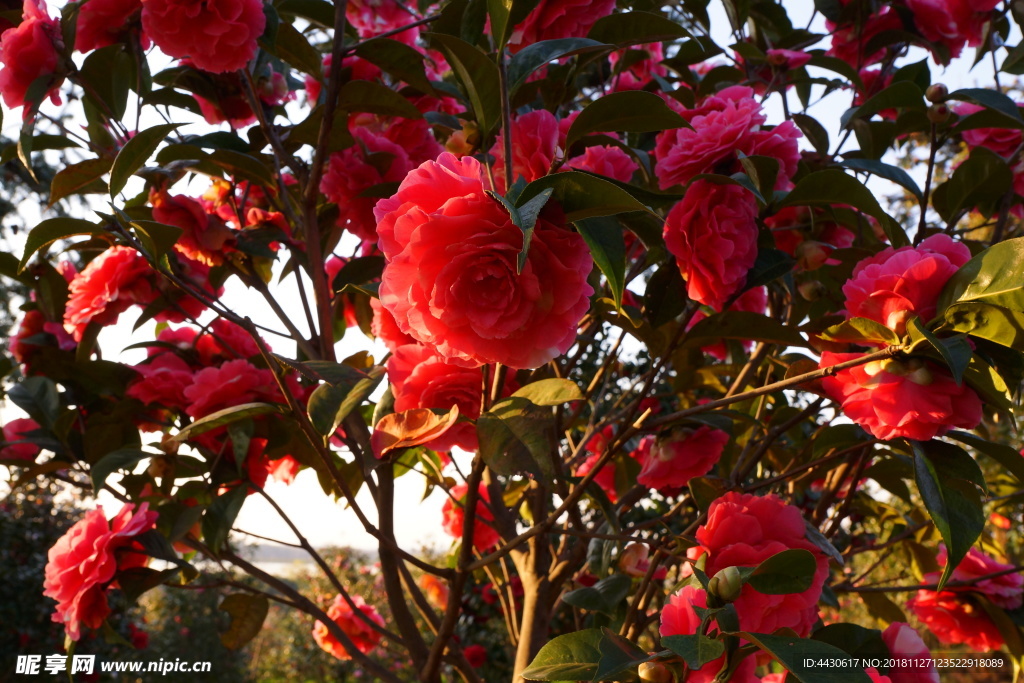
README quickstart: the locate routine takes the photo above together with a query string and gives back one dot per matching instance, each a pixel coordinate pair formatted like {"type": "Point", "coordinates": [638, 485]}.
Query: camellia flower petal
{"type": "Point", "coordinates": [216, 35]}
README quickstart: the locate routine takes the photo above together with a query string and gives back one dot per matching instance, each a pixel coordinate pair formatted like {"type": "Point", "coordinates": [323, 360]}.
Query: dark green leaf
{"type": "Point", "coordinates": [956, 351]}
{"type": "Point", "coordinates": [795, 653]}
{"type": "Point", "coordinates": [403, 62]}
{"type": "Point", "coordinates": [573, 656]}
{"type": "Point", "coordinates": [515, 436]}
{"type": "Point", "coordinates": [477, 74]}
{"type": "Point", "coordinates": [790, 571]}
{"type": "Point", "coordinates": [582, 195]}
{"type": "Point", "coordinates": [159, 238]}
{"type": "Point", "coordinates": [899, 95]}
{"type": "Point", "coordinates": [51, 230]}
{"type": "Point", "coordinates": [76, 177]}
{"type": "Point", "coordinates": [223, 417]}
{"type": "Point", "coordinates": [770, 265]}
{"type": "Point", "coordinates": [887, 171]}
{"type": "Point", "coordinates": [121, 459]}
{"type": "Point", "coordinates": [743, 325]}
{"type": "Point", "coordinates": [293, 47]}
{"type": "Point", "coordinates": [221, 515]}
{"type": "Point", "coordinates": [107, 73]}
{"type": "Point", "coordinates": [994, 277]}
{"type": "Point", "coordinates": [247, 612]}
{"type": "Point", "coordinates": [990, 99]}
{"type": "Point", "coordinates": [1010, 458]}
{"type": "Point", "coordinates": [377, 99]}
{"type": "Point", "coordinates": [608, 248]}
{"type": "Point", "coordinates": [631, 111]}
{"type": "Point", "coordinates": [533, 57]}
{"type": "Point", "coordinates": [135, 153]}
{"type": "Point", "coordinates": [979, 182]}
{"type": "Point", "coordinates": [697, 650]}
{"type": "Point", "coordinates": [618, 655]}
{"type": "Point", "coordinates": [635, 28]}
{"type": "Point", "coordinates": [606, 596]}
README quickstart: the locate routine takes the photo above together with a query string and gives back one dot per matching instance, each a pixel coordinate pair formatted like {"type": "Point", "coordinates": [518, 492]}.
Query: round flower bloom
{"type": "Point", "coordinates": [476, 655]}
{"type": "Point", "coordinates": [741, 531]}
{"type": "Point", "coordinates": [421, 379]}
{"type": "Point", "coordinates": [895, 285]}
{"type": "Point", "coordinates": [606, 160]}
{"type": "Point", "coordinates": [893, 398]}
{"type": "Point", "coordinates": [84, 560]}
{"type": "Point", "coordinates": [225, 341]}
{"type": "Point", "coordinates": [676, 458]}
{"type": "Point", "coordinates": [105, 22]}
{"type": "Point", "coordinates": [453, 516]}
{"type": "Point", "coordinates": [904, 645]}
{"type": "Point", "coordinates": [788, 59]}
{"type": "Point", "coordinates": [1002, 141]}
{"type": "Point", "coordinates": [14, 431]}
{"type": "Point", "coordinates": [712, 232]}
{"type": "Point", "coordinates": [108, 286]}
{"type": "Point", "coordinates": [350, 173]}
{"type": "Point", "coordinates": [952, 23]}
{"type": "Point", "coordinates": [553, 19]}
{"type": "Point", "coordinates": [163, 381]}
{"type": "Point", "coordinates": [451, 278]}
{"type": "Point", "coordinates": [954, 619]}
{"type": "Point", "coordinates": [1006, 591]}
{"type": "Point", "coordinates": [373, 17]}
{"type": "Point", "coordinates": [234, 383]}
{"type": "Point", "coordinates": [850, 39]}
{"type": "Point", "coordinates": [362, 634]}
{"type": "Point", "coordinates": [639, 72]}
{"type": "Point", "coordinates": [535, 146]}
{"type": "Point", "coordinates": [216, 35]}
{"type": "Point", "coordinates": [29, 52]}
{"type": "Point", "coordinates": [605, 478]}
{"type": "Point", "coordinates": [204, 237]}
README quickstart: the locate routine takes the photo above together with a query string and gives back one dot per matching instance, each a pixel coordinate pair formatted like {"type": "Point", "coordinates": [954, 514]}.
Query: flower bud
{"type": "Point", "coordinates": [812, 254]}
{"type": "Point", "coordinates": [726, 584]}
{"type": "Point", "coordinates": [812, 290]}
{"type": "Point", "coordinates": [937, 92]}
{"type": "Point", "coordinates": [938, 113]}
{"type": "Point", "coordinates": [656, 672]}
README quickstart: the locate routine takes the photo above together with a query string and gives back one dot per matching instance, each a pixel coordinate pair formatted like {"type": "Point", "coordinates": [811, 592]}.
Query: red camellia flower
{"type": "Point", "coordinates": [234, 383]}
{"type": "Point", "coordinates": [676, 458]}
{"type": "Point", "coordinates": [952, 23]}
{"type": "Point", "coordinates": [225, 341]}
{"type": "Point", "coordinates": [105, 22]}
{"type": "Point", "coordinates": [895, 285]}
{"type": "Point", "coordinates": [373, 17]}
{"type": "Point", "coordinates": [421, 379]}
{"type": "Point", "coordinates": [1006, 591]}
{"type": "Point", "coordinates": [954, 618]}
{"type": "Point", "coordinates": [712, 232]}
{"type": "Point", "coordinates": [606, 160]}
{"type": "Point", "coordinates": [535, 146]}
{"type": "Point", "coordinates": [1002, 141]}
{"type": "Point", "coordinates": [605, 478]}
{"type": "Point", "coordinates": [913, 661]}
{"type": "Point", "coordinates": [216, 35]}
{"type": "Point", "coordinates": [163, 381]}
{"type": "Point", "coordinates": [850, 39]}
{"type": "Point", "coordinates": [384, 327]}
{"type": "Point", "coordinates": [451, 278]}
{"type": "Point", "coordinates": [553, 19]}
{"type": "Point", "coordinates": [741, 531]}
{"type": "Point", "coordinates": [476, 655]}
{"type": "Point", "coordinates": [913, 398]}
{"type": "Point", "coordinates": [726, 123]}
{"type": "Point", "coordinates": [362, 634]}
{"type": "Point", "coordinates": [28, 52]}
{"type": "Point", "coordinates": [638, 72]}
{"type": "Point", "coordinates": [453, 516]}
{"type": "Point", "coordinates": [13, 432]}
{"type": "Point", "coordinates": [84, 560]}
{"type": "Point", "coordinates": [204, 238]}
{"type": "Point", "coordinates": [108, 286]}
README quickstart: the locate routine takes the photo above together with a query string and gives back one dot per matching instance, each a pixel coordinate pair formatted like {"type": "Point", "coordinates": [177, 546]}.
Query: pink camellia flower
{"type": "Point", "coordinates": [350, 173]}
{"type": "Point", "coordinates": [384, 327]}
{"type": "Point", "coordinates": [742, 530]}
{"type": "Point", "coordinates": [788, 59]}
{"type": "Point", "coordinates": [553, 19]}
{"type": "Point", "coordinates": [84, 560]}
{"type": "Point", "coordinates": [639, 72]}
{"type": "Point", "coordinates": [679, 618]}
{"type": "Point", "coordinates": [604, 479]}
{"type": "Point", "coordinates": [421, 379]}
{"type": "Point", "coordinates": [895, 285]}
{"type": "Point", "coordinates": [606, 160]}
{"type": "Point", "coordinates": [725, 124]}
{"type": "Point", "coordinates": [535, 146]}
{"type": "Point", "coordinates": [163, 381]}
{"type": "Point", "coordinates": [204, 238]}
{"type": "Point", "coordinates": [913, 661]}
{"type": "Point", "coordinates": [1006, 591]}
{"type": "Point", "coordinates": [373, 17]}
{"type": "Point", "coordinates": [105, 22]}
{"type": "Point", "coordinates": [216, 35]}
{"type": "Point", "coordinates": [360, 69]}
{"type": "Point", "coordinates": [108, 286]}
{"type": "Point", "coordinates": [712, 232]}
{"type": "Point", "coordinates": [676, 458]}
{"type": "Point", "coordinates": [1002, 141]}
{"type": "Point", "coordinates": [454, 516]}
{"type": "Point", "coordinates": [451, 278]}
{"type": "Point", "coordinates": [234, 383]}
{"type": "Point", "coordinates": [954, 618]}
{"type": "Point", "coordinates": [850, 40]}
{"type": "Point", "coordinates": [362, 634]}
{"type": "Point", "coordinates": [14, 431]}
{"type": "Point", "coordinates": [913, 398]}
{"type": "Point", "coordinates": [952, 23]}
{"type": "Point", "coordinates": [225, 341]}
{"type": "Point", "coordinates": [28, 52]}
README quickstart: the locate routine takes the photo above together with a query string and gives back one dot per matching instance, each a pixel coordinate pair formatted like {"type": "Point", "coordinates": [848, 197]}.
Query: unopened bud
{"type": "Point", "coordinates": [938, 113]}
{"type": "Point", "coordinates": [812, 290]}
{"type": "Point", "coordinates": [726, 584]}
{"type": "Point", "coordinates": [936, 92]}
{"type": "Point", "coordinates": [812, 254]}
{"type": "Point", "coordinates": [656, 672]}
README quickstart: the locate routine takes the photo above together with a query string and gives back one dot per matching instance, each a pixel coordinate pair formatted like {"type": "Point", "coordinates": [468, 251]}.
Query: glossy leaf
{"type": "Point", "coordinates": [224, 417]}
{"type": "Point", "coordinates": [77, 177]}
{"type": "Point", "coordinates": [377, 99]}
{"type": "Point", "coordinates": [51, 230]}
{"type": "Point", "coordinates": [799, 656]}
{"type": "Point", "coordinates": [743, 325]}
{"type": "Point", "coordinates": [607, 596]}
{"type": "Point", "coordinates": [618, 655]}
{"type": "Point", "coordinates": [573, 656]}
{"type": "Point", "coordinates": [631, 111]}
{"type": "Point", "coordinates": [220, 516]}
{"type": "Point", "coordinates": [550, 392]}
{"type": "Point", "coordinates": [696, 649]}
{"type": "Point", "coordinates": [477, 74]}
{"type": "Point", "coordinates": [135, 153]}
{"type": "Point", "coordinates": [863, 331]}
{"type": "Point", "coordinates": [635, 28]}
{"type": "Point", "coordinates": [789, 571]}
{"type": "Point", "coordinates": [604, 237]}
{"type": "Point", "coordinates": [533, 57]}
{"type": "Point", "coordinates": [887, 171]}
{"type": "Point", "coordinates": [979, 182]}
{"type": "Point", "coordinates": [993, 277]}
{"type": "Point", "coordinates": [402, 61]}
{"type": "Point", "coordinates": [956, 351]}
{"type": "Point", "coordinates": [583, 195]}
{"type": "Point", "coordinates": [123, 458]}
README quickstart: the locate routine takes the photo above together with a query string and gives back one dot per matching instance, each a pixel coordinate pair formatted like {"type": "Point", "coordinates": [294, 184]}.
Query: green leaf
{"type": "Point", "coordinates": [402, 61]}
{"type": "Point", "coordinates": [248, 613]}
{"type": "Point", "coordinates": [832, 186]}
{"type": "Point", "coordinates": [956, 351]}
{"type": "Point", "coordinates": [159, 238]}
{"type": "Point", "coordinates": [887, 171]}
{"type": "Point", "coordinates": [863, 331]}
{"type": "Point", "coordinates": [477, 74]}
{"type": "Point", "coordinates": [573, 656]}
{"type": "Point", "coordinates": [515, 436]}
{"type": "Point", "coordinates": [221, 515]}
{"type": "Point", "coordinates": [696, 649]}
{"type": "Point", "coordinates": [135, 153]}
{"type": "Point", "coordinates": [949, 481]}
{"type": "Point", "coordinates": [1009, 458]}
{"type": "Point", "coordinates": [990, 99]}
{"type": "Point", "coordinates": [630, 111]}
{"type": "Point", "coordinates": [550, 392]}
{"type": "Point", "coordinates": [979, 182]}
{"type": "Point", "coordinates": [770, 265]}
{"type": "Point", "coordinates": [536, 55]}
{"type": "Point", "coordinates": [51, 230]}
{"type": "Point", "coordinates": [607, 596]}
{"type": "Point", "coordinates": [790, 571]}
{"type": "Point", "coordinates": [762, 171]}
{"type": "Point", "coordinates": [635, 28]}
{"type": "Point", "coordinates": [617, 656]}
{"type": "Point", "coordinates": [223, 417]}
{"type": "Point", "coordinates": [899, 95]}
{"type": "Point", "coordinates": [794, 654]}
{"type": "Point", "coordinates": [994, 277]}
{"type": "Point", "coordinates": [330, 404]}
{"type": "Point", "coordinates": [106, 73]}
{"type": "Point", "coordinates": [743, 325]}
{"type": "Point", "coordinates": [604, 237]}
{"type": "Point", "coordinates": [293, 47]}
{"type": "Point", "coordinates": [38, 397]}
{"type": "Point", "coordinates": [582, 195]}
{"type": "Point", "coordinates": [988, 383]}
{"type": "Point", "coordinates": [375, 98]}
{"type": "Point", "coordinates": [121, 459]}
{"type": "Point", "coordinates": [76, 177]}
